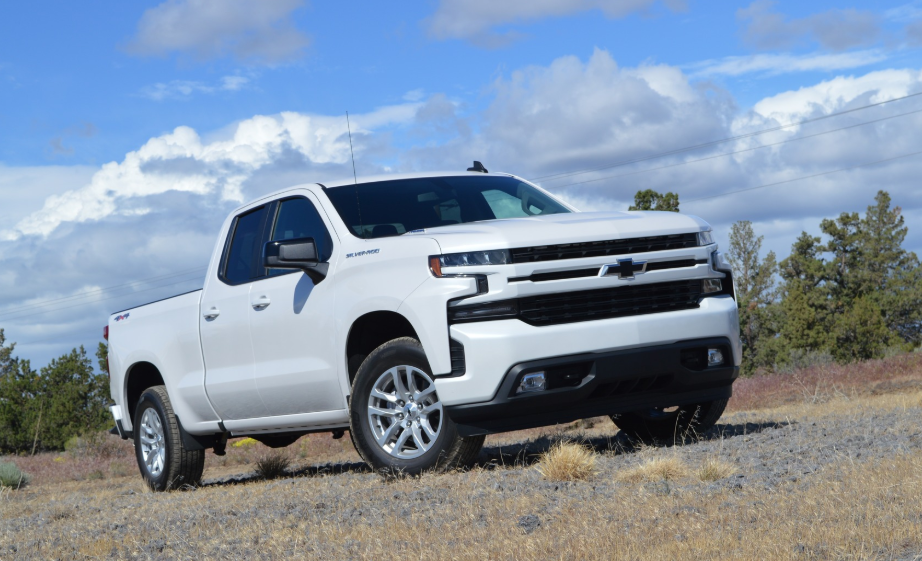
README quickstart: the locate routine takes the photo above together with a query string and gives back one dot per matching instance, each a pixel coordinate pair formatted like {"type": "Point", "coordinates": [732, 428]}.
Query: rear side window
{"type": "Point", "coordinates": [243, 256]}
{"type": "Point", "coordinates": [297, 218]}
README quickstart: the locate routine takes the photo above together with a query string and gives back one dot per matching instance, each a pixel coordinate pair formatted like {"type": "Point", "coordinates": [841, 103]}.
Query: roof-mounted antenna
{"type": "Point", "coordinates": [355, 177]}
{"type": "Point", "coordinates": [478, 167]}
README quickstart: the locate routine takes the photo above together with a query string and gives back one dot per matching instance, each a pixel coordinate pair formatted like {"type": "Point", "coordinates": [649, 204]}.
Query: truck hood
{"type": "Point", "coordinates": [560, 229]}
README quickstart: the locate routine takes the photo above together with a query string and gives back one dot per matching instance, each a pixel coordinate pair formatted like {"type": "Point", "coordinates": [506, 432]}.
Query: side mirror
{"type": "Point", "coordinates": [299, 253]}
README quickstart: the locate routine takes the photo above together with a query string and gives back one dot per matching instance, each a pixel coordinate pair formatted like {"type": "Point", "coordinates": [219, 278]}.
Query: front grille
{"type": "Point", "coordinates": [594, 272]}
{"type": "Point", "coordinates": [631, 300]}
{"type": "Point", "coordinates": [596, 249]}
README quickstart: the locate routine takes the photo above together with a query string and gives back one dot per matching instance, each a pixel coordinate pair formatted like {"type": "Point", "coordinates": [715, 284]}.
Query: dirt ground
{"type": "Point", "coordinates": [827, 466]}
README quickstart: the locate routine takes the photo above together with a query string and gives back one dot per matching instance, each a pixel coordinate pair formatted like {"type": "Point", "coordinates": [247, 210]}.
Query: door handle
{"type": "Point", "coordinates": [261, 302]}
{"type": "Point", "coordinates": [212, 313]}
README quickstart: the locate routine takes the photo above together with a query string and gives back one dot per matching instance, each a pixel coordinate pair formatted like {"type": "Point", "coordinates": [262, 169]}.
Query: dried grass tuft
{"type": "Point", "coordinates": [567, 461]}
{"type": "Point", "coordinates": [658, 469]}
{"type": "Point", "coordinates": [713, 469]}
{"type": "Point", "coordinates": [272, 465]}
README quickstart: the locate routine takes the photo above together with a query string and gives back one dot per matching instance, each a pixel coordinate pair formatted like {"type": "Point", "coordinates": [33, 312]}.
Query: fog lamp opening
{"type": "Point", "coordinates": [534, 382]}
{"type": "Point", "coordinates": [710, 286]}
{"type": "Point", "coordinates": [715, 357]}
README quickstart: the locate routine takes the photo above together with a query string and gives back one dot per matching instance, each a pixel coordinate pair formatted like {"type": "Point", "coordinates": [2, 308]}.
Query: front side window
{"type": "Point", "coordinates": [390, 208]}
{"type": "Point", "coordinates": [298, 218]}
{"type": "Point", "coordinates": [242, 257]}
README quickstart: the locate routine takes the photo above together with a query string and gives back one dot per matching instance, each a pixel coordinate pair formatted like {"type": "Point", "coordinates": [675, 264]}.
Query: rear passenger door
{"type": "Point", "coordinates": [224, 323]}
{"type": "Point", "coordinates": [292, 320]}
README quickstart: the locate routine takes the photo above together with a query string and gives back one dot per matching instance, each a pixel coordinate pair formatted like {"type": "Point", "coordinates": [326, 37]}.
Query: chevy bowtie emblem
{"type": "Point", "coordinates": [625, 268]}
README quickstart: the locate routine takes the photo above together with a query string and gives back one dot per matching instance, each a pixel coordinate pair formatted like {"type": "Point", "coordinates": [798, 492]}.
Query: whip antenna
{"type": "Point", "coordinates": [354, 176]}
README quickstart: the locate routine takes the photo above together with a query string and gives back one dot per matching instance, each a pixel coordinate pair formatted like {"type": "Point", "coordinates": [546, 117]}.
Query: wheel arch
{"type": "Point", "coordinates": [139, 377]}
{"type": "Point", "coordinates": [370, 331]}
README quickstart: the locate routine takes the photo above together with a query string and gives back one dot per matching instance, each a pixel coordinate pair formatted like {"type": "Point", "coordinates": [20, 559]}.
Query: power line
{"type": "Point", "coordinates": [78, 305]}
{"type": "Point", "coordinates": [677, 164]}
{"type": "Point", "coordinates": [722, 140]}
{"type": "Point", "coordinates": [804, 177]}
{"type": "Point", "coordinates": [85, 295]}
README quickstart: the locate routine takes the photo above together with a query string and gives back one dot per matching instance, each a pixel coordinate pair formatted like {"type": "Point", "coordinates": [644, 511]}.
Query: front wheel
{"type": "Point", "coordinates": [164, 462]}
{"type": "Point", "coordinates": [670, 425]}
{"type": "Point", "coordinates": [398, 423]}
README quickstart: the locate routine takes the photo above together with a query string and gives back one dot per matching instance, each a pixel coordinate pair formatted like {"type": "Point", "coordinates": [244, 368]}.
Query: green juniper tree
{"type": "Point", "coordinates": [754, 280]}
{"type": "Point", "coordinates": [651, 200]}
{"type": "Point", "coordinates": [43, 410]}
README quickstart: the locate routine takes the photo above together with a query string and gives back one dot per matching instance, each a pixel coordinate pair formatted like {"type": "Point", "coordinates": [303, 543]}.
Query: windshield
{"type": "Point", "coordinates": [391, 208]}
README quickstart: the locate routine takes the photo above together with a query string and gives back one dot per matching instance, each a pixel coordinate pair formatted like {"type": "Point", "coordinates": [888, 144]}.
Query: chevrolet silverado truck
{"type": "Point", "coordinates": [421, 313]}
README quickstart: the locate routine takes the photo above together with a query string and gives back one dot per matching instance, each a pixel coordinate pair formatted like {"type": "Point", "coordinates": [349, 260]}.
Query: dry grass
{"type": "Point", "coordinates": [567, 461]}
{"type": "Point", "coordinates": [714, 469]}
{"type": "Point", "coordinates": [852, 507]}
{"type": "Point", "coordinates": [273, 465]}
{"type": "Point", "coordinates": [657, 469]}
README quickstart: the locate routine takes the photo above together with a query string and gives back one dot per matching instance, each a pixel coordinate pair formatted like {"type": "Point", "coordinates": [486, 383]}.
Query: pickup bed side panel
{"type": "Point", "coordinates": [165, 334]}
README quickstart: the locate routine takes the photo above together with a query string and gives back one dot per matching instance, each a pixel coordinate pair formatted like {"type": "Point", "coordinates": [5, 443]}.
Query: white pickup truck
{"type": "Point", "coordinates": [421, 313]}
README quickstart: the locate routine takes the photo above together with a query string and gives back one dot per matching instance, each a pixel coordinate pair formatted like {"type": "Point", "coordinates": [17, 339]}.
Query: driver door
{"type": "Point", "coordinates": [292, 321]}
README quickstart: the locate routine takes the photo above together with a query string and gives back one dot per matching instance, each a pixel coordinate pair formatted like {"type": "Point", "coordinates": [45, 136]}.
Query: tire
{"type": "Point", "coordinates": [656, 425]}
{"type": "Point", "coordinates": [380, 411]}
{"type": "Point", "coordinates": [163, 460]}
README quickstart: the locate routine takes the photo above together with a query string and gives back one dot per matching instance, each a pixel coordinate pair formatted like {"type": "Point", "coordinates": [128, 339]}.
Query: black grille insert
{"type": "Point", "coordinates": [458, 364]}
{"type": "Point", "coordinates": [630, 300]}
{"type": "Point", "coordinates": [610, 247]}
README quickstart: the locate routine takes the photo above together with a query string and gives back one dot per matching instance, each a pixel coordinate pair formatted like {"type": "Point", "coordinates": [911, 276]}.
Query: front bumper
{"type": "Point", "coordinates": [594, 384]}
{"type": "Point", "coordinates": [493, 348]}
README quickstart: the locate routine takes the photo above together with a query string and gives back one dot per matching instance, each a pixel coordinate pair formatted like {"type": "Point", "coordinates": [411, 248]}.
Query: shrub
{"type": "Point", "coordinates": [713, 469]}
{"type": "Point", "coordinates": [567, 461]}
{"type": "Point", "coordinates": [11, 476]}
{"type": "Point", "coordinates": [272, 465]}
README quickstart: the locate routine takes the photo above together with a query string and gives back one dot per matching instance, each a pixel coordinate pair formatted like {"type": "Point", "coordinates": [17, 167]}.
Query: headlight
{"type": "Point", "coordinates": [705, 238]}
{"type": "Point", "coordinates": [494, 257]}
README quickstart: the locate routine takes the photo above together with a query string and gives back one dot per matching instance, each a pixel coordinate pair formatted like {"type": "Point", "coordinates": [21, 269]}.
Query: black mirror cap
{"type": "Point", "coordinates": [300, 253]}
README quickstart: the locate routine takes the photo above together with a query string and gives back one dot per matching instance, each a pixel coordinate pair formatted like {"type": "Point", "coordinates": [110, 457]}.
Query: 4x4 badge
{"type": "Point", "coordinates": [625, 268]}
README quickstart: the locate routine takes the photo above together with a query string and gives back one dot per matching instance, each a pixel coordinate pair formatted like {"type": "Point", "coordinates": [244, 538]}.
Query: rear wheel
{"type": "Point", "coordinates": [163, 460]}
{"type": "Point", "coordinates": [398, 423]}
{"type": "Point", "coordinates": [670, 424]}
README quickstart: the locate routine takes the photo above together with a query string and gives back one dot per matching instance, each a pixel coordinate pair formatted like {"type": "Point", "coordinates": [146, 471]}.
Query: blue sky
{"type": "Point", "coordinates": [129, 129]}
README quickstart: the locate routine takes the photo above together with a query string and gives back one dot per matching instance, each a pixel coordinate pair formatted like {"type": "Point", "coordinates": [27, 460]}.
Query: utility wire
{"type": "Point", "coordinates": [79, 304]}
{"type": "Point", "coordinates": [686, 162]}
{"type": "Point", "coordinates": [792, 180]}
{"type": "Point", "coordinates": [94, 292]}
{"type": "Point", "coordinates": [722, 140]}
{"type": "Point", "coordinates": [6, 314]}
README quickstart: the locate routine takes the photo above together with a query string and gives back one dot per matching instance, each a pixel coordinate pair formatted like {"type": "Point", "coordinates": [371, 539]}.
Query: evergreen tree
{"type": "Point", "coordinates": [651, 200]}
{"type": "Point", "coordinates": [44, 410]}
{"type": "Point", "coordinates": [75, 398]}
{"type": "Point", "coordinates": [754, 281]}
{"type": "Point", "coordinates": [804, 297]}
{"type": "Point", "coordinates": [18, 408]}
{"type": "Point", "coordinates": [6, 354]}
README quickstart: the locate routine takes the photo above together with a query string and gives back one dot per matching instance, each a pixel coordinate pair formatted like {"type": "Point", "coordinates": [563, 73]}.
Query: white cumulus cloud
{"type": "Point", "coordinates": [181, 161]}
